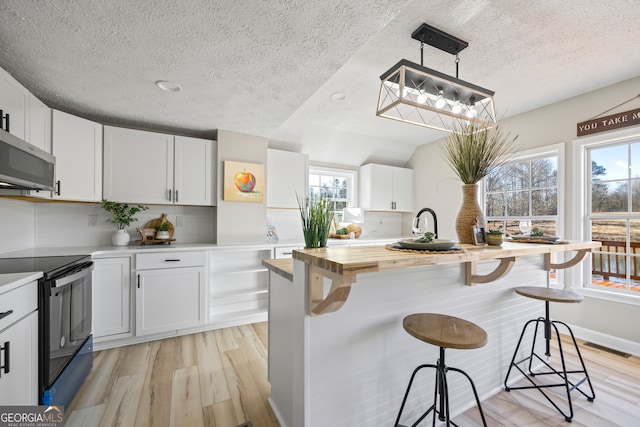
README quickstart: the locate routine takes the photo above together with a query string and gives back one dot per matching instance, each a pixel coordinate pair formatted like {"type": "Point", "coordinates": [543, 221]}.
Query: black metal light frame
{"type": "Point", "coordinates": [413, 93]}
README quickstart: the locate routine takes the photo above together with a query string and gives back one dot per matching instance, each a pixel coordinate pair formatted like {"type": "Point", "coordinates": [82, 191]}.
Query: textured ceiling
{"type": "Point", "coordinates": [269, 67]}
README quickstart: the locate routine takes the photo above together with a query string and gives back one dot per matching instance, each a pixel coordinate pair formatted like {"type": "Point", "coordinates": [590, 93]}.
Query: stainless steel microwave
{"type": "Point", "coordinates": [24, 166]}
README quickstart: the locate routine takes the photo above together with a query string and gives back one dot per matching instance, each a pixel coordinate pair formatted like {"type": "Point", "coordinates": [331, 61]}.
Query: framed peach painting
{"type": "Point", "coordinates": [243, 182]}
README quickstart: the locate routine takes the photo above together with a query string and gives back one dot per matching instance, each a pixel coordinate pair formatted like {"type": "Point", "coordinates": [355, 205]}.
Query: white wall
{"type": "Point", "coordinates": [240, 222]}
{"type": "Point", "coordinates": [438, 187]}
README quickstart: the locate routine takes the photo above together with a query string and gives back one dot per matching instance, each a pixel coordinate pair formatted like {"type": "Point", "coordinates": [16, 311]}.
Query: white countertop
{"type": "Point", "coordinates": [135, 248]}
{"type": "Point", "coordinates": [10, 281]}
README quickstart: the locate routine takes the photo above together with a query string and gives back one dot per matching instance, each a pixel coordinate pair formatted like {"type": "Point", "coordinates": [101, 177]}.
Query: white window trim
{"type": "Point", "coordinates": [545, 151]}
{"type": "Point", "coordinates": [558, 150]}
{"type": "Point", "coordinates": [352, 196]}
{"type": "Point", "coordinates": [580, 146]}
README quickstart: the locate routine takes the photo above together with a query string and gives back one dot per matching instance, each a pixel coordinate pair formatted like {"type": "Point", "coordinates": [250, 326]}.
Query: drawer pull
{"type": "Point", "coordinates": [5, 314]}
{"type": "Point", "coordinates": [7, 357]}
{"type": "Point", "coordinates": [173, 260]}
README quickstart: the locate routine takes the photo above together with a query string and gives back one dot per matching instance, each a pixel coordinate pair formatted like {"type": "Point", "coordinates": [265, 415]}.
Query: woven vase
{"type": "Point", "coordinates": [470, 214]}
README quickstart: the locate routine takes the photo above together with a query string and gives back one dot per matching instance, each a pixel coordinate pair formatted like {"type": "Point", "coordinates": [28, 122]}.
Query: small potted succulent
{"type": "Point", "coordinates": [162, 231]}
{"type": "Point", "coordinates": [495, 237]}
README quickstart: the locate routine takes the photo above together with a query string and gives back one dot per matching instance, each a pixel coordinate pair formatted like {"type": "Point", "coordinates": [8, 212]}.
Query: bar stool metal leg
{"type": "Point", "coordinates": [563, 374]}
{"type": "Point", "coordinates": [440, 405]}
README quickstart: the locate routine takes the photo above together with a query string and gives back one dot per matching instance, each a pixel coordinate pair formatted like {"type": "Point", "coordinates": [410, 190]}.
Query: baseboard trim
{"type": "Point", "coordinates": [606, 340]}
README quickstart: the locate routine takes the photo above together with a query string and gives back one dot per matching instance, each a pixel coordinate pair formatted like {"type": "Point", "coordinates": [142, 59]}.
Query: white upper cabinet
{"type": "Point", "coordinates": [77, 146]}
{"type": "Point", "coordinates": [193, 178]}
{"type": "Point", "coordinates": [14, 100]}
{"type": "Point", "coordinates": [287, 175]}
{"type": "Point", "coordinates": [149, 168]}
{"type": "Point", "coordinates": [138, 166]}
{"type": "Point", "coordinates": [386, 188]}
{"type": "Point", "coordinates": [39, 124]}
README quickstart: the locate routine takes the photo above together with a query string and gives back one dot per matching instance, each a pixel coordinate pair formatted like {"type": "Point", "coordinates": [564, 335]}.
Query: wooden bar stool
{"type": "Point", "coordinates": [445, 332]}
{"type": "Point", "coordinates": [550, 295]}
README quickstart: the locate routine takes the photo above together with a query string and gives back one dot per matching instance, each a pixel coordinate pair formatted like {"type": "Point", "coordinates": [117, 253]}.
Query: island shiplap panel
{"type": "Point", "coordinates": [360, 358]}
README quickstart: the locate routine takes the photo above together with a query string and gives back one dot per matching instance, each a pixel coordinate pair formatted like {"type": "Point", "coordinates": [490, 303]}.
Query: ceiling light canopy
{"type": "Point", "coordinates": [413, 93]}
{"type": "Point", "coordinates": [168, 86]}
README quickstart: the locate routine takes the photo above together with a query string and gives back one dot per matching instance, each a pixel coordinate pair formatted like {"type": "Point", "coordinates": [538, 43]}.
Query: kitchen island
{"type": "Point", "coordinates": [338, 355]}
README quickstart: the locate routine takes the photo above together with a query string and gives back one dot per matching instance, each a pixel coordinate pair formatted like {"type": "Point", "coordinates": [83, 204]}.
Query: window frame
{"type": "Point", "coordinates": [556, 150]}
{"type": "Point", "coordinates": [349, 174]}
{"type": "Point", "coordinates": [582, 204]}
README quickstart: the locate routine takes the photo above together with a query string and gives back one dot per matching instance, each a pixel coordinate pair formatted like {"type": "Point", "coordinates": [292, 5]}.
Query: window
{"type": "Point", "coordinates": [612, 214]}
{"type": "Point", "coordinates": [526, 189]}
{"type": "Point", "coordinates": [337, 185]}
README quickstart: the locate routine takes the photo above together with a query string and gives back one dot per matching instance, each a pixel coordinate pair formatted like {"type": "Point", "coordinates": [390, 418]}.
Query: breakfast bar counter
{"type": "Point", "coordinates": [338, 354]}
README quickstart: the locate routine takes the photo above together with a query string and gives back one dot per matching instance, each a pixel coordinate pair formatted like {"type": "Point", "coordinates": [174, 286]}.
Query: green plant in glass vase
{"type": "Point", "coordinates": [316, 215]}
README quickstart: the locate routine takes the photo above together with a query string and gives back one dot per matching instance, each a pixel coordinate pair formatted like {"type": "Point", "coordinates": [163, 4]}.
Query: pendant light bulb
{"type": "Point", "coordinates": [422, 97]}
{"type": "Point", "coordinates": [457, 107]}
{"type": "Point", "coordinates": [440, 101]}
{"type": "Point", "coordinates": [471, 111]}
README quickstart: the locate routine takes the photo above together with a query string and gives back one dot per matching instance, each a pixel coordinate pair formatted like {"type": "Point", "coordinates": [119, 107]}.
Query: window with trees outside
{"type": "Point", "coordinates": [337, 185]}
{"type": "Point", "coordinates": [523, 194]}
{"type": "Point", "coordinates": [613, 215]}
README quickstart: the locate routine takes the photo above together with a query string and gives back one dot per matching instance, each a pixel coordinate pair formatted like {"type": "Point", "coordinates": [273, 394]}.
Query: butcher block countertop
{"type": "Point", "coordinates": [366, 259]}
{"type": "Point", "coordinates": [352, 260]}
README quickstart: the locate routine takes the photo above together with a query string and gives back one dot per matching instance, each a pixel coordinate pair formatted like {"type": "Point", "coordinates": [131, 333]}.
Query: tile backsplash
{"type": "Point", "coordinates": [39, 224]}
{"type": "Point", "coordinates": [376, 224]}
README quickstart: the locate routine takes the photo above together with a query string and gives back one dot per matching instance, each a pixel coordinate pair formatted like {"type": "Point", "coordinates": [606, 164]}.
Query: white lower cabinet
{"type": "Point", "coordinates": [112, 298]}
{"type": "Point", "coordinates": [19, 346]}
{"type": "Point", "coordinates": [170, 291]}
{"type": "Point", "coordinates": [239, 285]}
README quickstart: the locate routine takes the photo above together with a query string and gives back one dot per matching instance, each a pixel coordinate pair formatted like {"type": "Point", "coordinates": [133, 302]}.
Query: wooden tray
{"type": "Point", "coordinates": [156, 223]}
{"type": "Point", "coordinates": [147, 233]}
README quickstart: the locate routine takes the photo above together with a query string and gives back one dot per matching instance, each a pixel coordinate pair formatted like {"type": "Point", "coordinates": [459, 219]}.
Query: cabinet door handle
{"type": "Point", "coordinates": [5, 314]}
{"type": "Point", "coordinates": [138, 281]}
{"type": "Point", "coordinates": [7, 357]}
{"type": "Point", "coordinates": [173, 260]}
{"type": "Point", "coordinates": [6, 121]}
{"type": "Point", "coordinates": [176, 196]}
{"type": "Point", "coordinates": [58, 187]}
{"type": "Point", "coordinates": [169, 195]}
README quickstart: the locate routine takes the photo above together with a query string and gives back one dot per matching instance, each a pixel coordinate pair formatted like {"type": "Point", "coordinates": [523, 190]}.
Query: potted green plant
{"type": "Point", "coordinates": [316, 216]}
{"type": "Point", "coordinates": [122, 216]}
{"type": "Point", "coordinates": [495, 237]}
{"type": "Point", "coordinates": [474, 151]}
{"type": "Point", "coordinates": [162, 231]}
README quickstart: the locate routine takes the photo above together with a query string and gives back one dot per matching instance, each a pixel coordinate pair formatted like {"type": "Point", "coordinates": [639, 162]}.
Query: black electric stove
{"type": "Point", "coordinates": [51, 266]}
{"type": "Point", "coordinates": [65, 342]}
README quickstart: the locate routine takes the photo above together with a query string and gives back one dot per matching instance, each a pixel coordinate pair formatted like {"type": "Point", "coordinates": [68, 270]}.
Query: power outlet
{"type": "Point", "coordinates": [179, 221]}
{"type": "Point", "coordinates": [93, 220]}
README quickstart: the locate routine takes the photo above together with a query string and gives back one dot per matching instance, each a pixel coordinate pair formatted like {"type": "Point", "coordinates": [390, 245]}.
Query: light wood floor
{"type": "Point", "coordinates": [219, 378]}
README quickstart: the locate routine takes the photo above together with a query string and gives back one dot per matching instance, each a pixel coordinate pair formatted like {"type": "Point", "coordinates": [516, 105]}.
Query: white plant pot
{"type": "Point", "coordinates": [120, 238]}
{"type": "Point", "coordinates": [162, 235]}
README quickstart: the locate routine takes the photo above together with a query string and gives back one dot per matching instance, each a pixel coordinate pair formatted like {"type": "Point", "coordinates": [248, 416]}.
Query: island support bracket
{"type": "Point", "coordinates": [548, 265]}
{"type": "Point", "coordinates": [472, 278]}
{"type": "Point", "coordinates": [337, 295]}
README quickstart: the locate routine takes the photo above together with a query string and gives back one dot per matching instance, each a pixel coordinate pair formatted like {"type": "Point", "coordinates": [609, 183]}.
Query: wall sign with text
{"type": "Point", "coordinates": [614, 121]}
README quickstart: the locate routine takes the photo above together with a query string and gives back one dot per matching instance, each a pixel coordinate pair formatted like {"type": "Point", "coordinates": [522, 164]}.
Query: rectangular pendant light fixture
{"type": "Point", "coordinates": [413, 93]}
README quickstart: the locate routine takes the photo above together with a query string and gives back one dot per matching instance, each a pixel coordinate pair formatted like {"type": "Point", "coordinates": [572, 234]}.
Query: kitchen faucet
{"type": "Point", "coordinates": [416, 222]}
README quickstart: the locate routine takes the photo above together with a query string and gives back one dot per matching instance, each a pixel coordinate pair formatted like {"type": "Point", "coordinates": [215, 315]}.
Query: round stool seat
{"type": "Point", "coordinates": [549, 294]}
{"type": "Point", "coordinates": [445, 331]}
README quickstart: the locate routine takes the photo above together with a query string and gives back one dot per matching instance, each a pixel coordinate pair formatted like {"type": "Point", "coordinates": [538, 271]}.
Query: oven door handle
{"type": "Point", "coordinates": [63, 281]}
